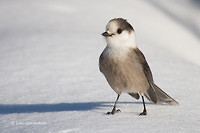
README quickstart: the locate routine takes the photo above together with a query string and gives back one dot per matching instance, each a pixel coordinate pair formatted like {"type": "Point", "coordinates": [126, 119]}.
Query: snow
{"type": "Point", "coordinates": [50, 81]}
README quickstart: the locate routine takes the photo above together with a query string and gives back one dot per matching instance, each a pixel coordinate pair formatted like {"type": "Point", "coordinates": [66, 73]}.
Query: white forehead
{"type": "Point", "coordinates": [112, 26]}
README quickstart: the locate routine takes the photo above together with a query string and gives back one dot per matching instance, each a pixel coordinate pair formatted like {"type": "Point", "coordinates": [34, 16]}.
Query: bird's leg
{"type": "Point", "coordinates": [114, 108]}
{"type": "Point", "coordinates": [144, 111]}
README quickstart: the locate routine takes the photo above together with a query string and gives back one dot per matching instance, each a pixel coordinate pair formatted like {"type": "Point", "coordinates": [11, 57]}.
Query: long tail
{"type": "Point", "coordinates": [156, 95]}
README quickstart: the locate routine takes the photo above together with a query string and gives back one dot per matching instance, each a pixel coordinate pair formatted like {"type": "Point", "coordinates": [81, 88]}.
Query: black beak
{"type": "Point", "coordinates": [106, 34]}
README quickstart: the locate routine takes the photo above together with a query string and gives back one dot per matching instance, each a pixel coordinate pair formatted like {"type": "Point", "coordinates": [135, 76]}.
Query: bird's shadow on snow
{"type": "Point", "coordinates": [43, 108]}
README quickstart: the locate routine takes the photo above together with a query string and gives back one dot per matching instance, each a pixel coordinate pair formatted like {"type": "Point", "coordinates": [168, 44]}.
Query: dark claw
{"type": "Point", "coordinates": [113, 112]}
{"type": "Point", "coordinates": [143, 113]}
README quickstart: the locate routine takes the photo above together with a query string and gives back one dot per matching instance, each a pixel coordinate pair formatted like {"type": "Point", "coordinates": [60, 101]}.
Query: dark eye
{"type": "Point", "coordinates": [119, 31]}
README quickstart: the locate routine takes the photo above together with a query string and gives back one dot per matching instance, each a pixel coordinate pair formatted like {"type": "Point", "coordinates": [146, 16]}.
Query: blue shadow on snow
{"type": "Point", "coordinates": [43, 108]}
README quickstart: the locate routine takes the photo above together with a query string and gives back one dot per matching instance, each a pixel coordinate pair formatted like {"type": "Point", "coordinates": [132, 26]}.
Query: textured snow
{"type": "Point", "coordinates": [50, 81]}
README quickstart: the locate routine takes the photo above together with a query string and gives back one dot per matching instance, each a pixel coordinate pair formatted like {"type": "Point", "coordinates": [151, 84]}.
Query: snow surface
{"type": "Point", "coordinates": [50, 82]}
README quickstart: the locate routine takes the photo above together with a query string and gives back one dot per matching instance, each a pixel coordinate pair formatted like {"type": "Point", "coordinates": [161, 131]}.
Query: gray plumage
{"type": "Point", "coordinates": [125, 67]}
{"type": "Point", "coordinates": [132, 73]}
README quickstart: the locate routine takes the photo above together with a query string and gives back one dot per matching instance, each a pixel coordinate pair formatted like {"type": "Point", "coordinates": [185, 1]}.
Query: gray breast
{"type": "Point", "coordinates": [123, 74]}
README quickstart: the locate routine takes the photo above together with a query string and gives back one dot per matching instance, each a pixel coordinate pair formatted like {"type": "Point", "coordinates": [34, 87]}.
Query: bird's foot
{"type": "Point", "coordinates": [143, 113]}
{"type": "Point", "coordinates": [113, 112]}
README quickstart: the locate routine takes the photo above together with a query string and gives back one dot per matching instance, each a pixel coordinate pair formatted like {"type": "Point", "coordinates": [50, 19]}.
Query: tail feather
{"type": "Point", "coordinates": [164, 97]}
{"type": "Point", "coordinates": [134, 95]}
{"type": "Point", "coordinates": [156, 95]}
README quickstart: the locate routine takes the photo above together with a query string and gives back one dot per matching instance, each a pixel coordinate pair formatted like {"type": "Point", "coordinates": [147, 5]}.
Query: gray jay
{"type": "Point", "coordinates": [125, 67]}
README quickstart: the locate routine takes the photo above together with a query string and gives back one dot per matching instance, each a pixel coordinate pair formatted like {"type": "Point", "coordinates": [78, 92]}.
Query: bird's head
{"type": "Point", "coordinates": [119, 33]}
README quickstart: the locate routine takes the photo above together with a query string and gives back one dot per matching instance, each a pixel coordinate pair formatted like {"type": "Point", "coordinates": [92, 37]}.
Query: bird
{"type": "Point", "coordinates": [125, 67]}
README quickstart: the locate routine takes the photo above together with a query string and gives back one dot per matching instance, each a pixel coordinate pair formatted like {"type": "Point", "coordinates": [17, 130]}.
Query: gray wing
{"type": "Point", "coordinates": [154, 93]}
{"type": "Point", "coordinates": [145, 66]}
{"type": "Point", "coordinates": [150, 94]}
